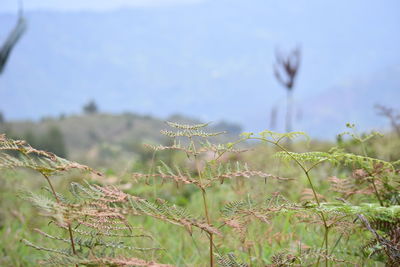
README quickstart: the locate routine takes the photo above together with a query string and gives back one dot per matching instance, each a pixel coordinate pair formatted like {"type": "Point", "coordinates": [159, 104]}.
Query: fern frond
{"type": "Point", "coordinates": [175, 146]}
{"type": "Point", "coordinates": [94, 242]}
{"type": "Point", "coordinates": [310, 256]}
{"type": "Point", "coordinates": [276, 203]}
{"type": "Point", "coordinates": [248, 174]}
{"type": "Point", "coordinates": [219, 148]}
{"type": "Point", "coordinates": [41, 202]}
{"type": "Point", "coordinates": [307, 257]}
{"type": "Point", "coordinates": [281, 259]}
{"type": "Point", "coordinates": [23, 147]}
{"type": "Point", "coordinates": [356, 136]}
{"type": "Point", "coordinates": [348, 187]}
{"type": "Point", "coordinates": [178, 175]}
{"type": "Point", "coordinates": [369, 210]}
{"type": "Point", "coordinates": [187, 126]}
{"type": "Point", "coordinates": [110, 203]}
{"type": "Point", "coordinates": [311, 157]}
{"type": "Point", "coordinates": [138, 206]}
{"type": "Point", "coordinates": [229, 260]}
{"type": "Point", "coordinates": [228, 170]}
{"type": "Point", "coordinates": [170, 213]}
{"type": "Point", "coordinates": [350, 159]}
{"type": "Point", "coordinates": [336, 157]}
{"type": "Point", "coordinates": [277, 137]}
{"type": "Point", "coordinates": [205, 147]}
{"type": "Point", "coordinates": [235, 213]}
{"type": "Point", "coordinates": [212, 173]}
{"type": "Point", "coordinates": [44, 162]}
{"type": "Point", "coordinates": [101, 262]}
{"type": "Point", "coordinates": [234, 207]}
{"type": "Point", "coordinates": [58, 251]}
{"type": "Point", "coordinates": [96, 233]}
{"type": "Point", "coordinates": [190, 133]}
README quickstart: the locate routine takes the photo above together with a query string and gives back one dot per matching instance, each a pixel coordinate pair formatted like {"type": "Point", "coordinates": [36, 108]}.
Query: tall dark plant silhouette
{"type": "Point", "coordinates": [12, 40]}
{"type": "Point", "coordinates": [286, 69]}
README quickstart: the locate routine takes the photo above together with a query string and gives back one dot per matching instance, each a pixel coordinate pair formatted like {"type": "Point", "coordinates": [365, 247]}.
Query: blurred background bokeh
{"type": "Point", "coordinates": [97, 78]}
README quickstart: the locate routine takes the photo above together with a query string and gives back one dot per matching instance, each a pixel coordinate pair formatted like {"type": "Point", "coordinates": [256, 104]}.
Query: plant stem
{"type": "Point", "coordinates": [203, 193]}
{"type": "Point", "coordinates": [375, 189]}
{"type": "Point", "coordinates": [71, 237]}
{"type": "Point", "coordinates": [306, 172]}
{"type": "Point", "coordinates": [376, 192]}
{"type": "Point", "coordinates": [289, 100]}
{"type": "Point", "coordinates": [154, 178]}
{"type": "Point", "coordinates": [249, 252]}
{"type": "Point", "coordinates": [326, 246]}
{"type": "Point", "coordinates": [52, 188]}
{"type": "Point", "coordinates": [208, 221]}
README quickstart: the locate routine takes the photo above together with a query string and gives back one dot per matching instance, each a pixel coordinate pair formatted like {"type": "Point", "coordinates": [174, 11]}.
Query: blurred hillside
{"type": "Point", "coordinates": [96, 138]}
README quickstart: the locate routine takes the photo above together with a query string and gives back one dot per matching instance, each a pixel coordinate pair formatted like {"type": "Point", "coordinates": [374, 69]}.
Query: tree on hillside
{"type": "Point", "coordinates": [1, 118]}
{"type": "Point", "coordinates": [90, 108]}
{"type": "Point", "coordinates": [286, 69]}
{"type": "Point", "coordinates": [11, 41]}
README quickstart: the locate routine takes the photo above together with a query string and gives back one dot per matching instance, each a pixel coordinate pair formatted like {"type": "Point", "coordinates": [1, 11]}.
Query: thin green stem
{"type": "Point", "coordinates": [340, 238]}
{"type": "Point", "coordinates": [306, 172]}
{"type": "Point", "coordinates": [377, 193]}
{"type": "Point", "coordinates": [363, 149]}
{"type": "Point", "coordinates": [203, 193]}
{"type": "Point", "coordinates": [232, 145]}
{"type": "Point", "coordinates": [315, 165]}
{"type": "Point", "coordinates": [375, 189]}
{"type": "Point", "coordinates": [208, 221]}
{"type": "Point", "coordinates": [250, 261]}
{"type": "Point", "coordinates": [326, 246]}
{"type": "Point", "coordinates": [151, 169]}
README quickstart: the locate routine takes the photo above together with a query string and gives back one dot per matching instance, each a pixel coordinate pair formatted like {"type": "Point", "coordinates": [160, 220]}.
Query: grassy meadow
{"type": "Point", "coordinates": [199, 199]}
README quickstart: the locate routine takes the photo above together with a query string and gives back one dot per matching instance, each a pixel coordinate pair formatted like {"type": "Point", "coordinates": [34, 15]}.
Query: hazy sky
{"type": "Point", "coordinates": [101, 5]}
{"type": "Point", "coordinates": [95, 5]}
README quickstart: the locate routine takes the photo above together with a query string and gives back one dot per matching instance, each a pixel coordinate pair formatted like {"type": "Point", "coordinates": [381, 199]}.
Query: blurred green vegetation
{"type": "Point", "coordinates": [101, 139]}
{"type": "Point", "coordinates": [124, 154]}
